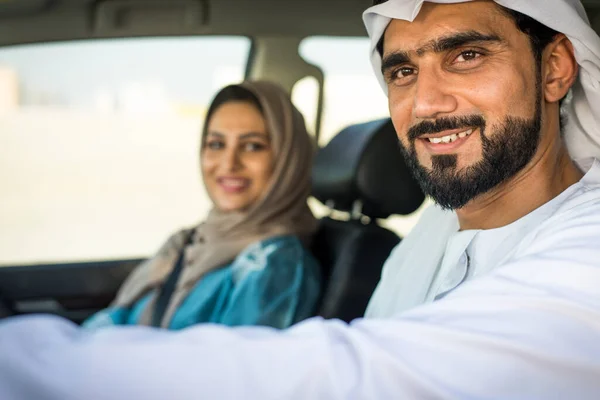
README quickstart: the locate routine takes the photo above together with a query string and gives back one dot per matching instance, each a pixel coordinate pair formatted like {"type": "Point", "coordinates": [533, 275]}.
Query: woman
{"type": "Point", "coordinates": [247, 263]}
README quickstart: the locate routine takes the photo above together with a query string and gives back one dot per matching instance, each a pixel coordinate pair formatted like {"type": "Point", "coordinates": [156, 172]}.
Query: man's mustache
{"type": "Point", "coordinates": [445, 124]}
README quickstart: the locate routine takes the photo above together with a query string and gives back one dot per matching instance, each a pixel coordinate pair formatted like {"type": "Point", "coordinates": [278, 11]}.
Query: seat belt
{"type": "Point", "coordinates": [166, 292]}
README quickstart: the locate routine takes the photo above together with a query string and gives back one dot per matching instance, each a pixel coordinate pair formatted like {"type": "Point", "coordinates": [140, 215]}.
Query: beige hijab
{"type": "Point", "coordinates": [282, 210]}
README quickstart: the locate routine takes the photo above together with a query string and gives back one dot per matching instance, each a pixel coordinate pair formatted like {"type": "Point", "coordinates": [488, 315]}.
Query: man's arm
{"type": "Point", "coordinates": [530, 329]}
{"type": "Point", "coordinates": [501, 337]}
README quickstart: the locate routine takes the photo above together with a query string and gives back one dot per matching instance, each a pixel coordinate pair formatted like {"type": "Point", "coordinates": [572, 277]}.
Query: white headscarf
{"type": "Point", "coordinates": [582, 131]}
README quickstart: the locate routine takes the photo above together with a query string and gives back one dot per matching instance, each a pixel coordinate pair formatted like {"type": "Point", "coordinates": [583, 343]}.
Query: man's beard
{"type": "Point", "coordinates": [505, 153]}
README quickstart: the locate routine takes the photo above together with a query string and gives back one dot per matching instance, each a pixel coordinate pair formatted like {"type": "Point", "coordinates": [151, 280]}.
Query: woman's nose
{"type": "Point", "coordinates": [231, 160]}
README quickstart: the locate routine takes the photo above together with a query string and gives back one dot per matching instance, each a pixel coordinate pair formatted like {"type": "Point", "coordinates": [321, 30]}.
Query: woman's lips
{"type": "Point", "coordinates": [233, 185]}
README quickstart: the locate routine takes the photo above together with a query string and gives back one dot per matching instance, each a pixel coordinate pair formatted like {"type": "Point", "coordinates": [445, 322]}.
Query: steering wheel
{"type": "Point", "coordinates": [5, 308]}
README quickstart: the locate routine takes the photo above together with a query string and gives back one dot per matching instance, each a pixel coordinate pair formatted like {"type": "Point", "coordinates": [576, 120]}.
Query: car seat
{"type": "Point", "coordinates": [361, 172]}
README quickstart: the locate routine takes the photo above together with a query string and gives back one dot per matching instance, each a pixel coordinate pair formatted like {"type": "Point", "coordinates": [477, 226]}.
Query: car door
{"type": "Point", "coordinates": [71, 290]}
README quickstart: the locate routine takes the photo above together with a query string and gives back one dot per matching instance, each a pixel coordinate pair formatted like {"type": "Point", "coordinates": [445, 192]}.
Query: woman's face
{"type": "Point", "coordinates": [237, 157]}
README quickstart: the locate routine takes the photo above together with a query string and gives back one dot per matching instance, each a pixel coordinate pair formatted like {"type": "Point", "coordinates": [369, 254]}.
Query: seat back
{"type": "Point", "coordinates": [352, 255]}
{"type": "Point", "coordinates": [360, 172]}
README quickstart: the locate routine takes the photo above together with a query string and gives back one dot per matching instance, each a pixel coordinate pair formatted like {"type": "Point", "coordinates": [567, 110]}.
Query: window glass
{"type": "Point", "coordinates": [303, 93]}
{"type": "Point", "coordinates": [351, 95]}
{"type": "Point", "coordinates": [100, 143]}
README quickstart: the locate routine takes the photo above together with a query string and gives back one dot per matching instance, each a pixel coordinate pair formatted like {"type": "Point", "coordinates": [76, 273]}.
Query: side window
{"type": "Point", "coordinates": [305, 94]}
{"type": "Point", "coordinates": [99, 143]}
{"type": "Point", "coordinates": [352, 95]}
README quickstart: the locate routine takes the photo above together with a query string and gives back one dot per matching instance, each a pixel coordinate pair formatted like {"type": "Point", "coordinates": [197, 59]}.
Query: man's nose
{"type": "Point", "coordinates": [433, 96]}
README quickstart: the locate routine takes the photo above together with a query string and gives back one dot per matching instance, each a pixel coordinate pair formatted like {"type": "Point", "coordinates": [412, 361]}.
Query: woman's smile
{"type": "Point", "coordinates": [234, 185]}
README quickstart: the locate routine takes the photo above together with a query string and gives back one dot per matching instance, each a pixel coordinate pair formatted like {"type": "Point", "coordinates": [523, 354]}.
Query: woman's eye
{"type": "Point", "coordinates": [251, 146]}
{"type": "Point", "coordinates": [468, 56]}
{"type": "Point", "coordinates": [215, 145]}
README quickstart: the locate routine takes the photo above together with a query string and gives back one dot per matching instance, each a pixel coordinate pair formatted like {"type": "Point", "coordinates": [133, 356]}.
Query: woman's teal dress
{"type": "Point", "coordinates": [276, 282]}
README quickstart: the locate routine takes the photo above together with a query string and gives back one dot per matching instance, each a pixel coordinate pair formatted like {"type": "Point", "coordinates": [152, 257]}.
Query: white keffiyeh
{"type": "Point", "coordinates": [582, 131]}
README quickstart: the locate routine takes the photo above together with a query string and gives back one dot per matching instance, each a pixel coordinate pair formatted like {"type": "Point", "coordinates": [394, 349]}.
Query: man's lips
{"type": "Point", "coordinates": [449, 134]}
{"type": "Point", "coordinates": [447, 141]}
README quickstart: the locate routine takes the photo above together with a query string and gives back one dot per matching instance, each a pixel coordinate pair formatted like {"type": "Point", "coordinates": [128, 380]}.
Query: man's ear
{"type": "Point", "coordinates": [560, 70]}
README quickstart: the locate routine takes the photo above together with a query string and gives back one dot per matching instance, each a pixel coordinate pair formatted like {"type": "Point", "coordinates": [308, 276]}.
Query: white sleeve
{"type": "Point", "coordinates": [495, 338]}
{"type": "Point", "coordinates": [529, 330]}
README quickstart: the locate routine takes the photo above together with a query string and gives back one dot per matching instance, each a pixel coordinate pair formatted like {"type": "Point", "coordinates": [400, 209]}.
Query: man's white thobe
{"type": "Point", "coordinates": [436, 256]}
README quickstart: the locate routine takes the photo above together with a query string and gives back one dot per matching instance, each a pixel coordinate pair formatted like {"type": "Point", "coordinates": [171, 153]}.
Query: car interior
{"type": "Point", "coordinates": [359, 172]}
{"type": "Point", "coordinates": [359, 179]}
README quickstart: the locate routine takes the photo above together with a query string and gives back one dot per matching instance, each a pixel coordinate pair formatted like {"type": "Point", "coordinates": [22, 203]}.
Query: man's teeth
{"type": "Point", "coordinates": [451, 138]}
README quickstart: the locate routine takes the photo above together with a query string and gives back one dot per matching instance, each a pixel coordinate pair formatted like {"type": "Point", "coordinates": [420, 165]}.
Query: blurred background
{"type": "Point", "coordinates": [99, 139]}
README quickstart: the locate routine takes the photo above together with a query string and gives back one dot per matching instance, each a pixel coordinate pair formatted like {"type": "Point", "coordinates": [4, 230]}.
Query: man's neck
{"type": "Point", "coordinates": [539, 182]}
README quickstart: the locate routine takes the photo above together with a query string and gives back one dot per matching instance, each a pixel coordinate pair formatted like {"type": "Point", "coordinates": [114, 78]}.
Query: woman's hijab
{"type": "Point", "coordinates": [282, 210]}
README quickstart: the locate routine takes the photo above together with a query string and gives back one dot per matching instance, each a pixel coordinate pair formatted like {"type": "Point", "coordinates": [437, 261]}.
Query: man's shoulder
{"type": "Point", "coordinates": [583, 200]}
{"type": "Point", "coordinates": [573, 225]}
{"type": "Point", "coordinates": [581, 208]}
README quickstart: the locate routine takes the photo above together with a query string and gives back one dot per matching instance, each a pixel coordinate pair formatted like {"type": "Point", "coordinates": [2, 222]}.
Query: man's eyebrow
{"type": "Point", "coordinates": [438, 45]}
{"type": "Point", "coordinates": [393, 59]}
{"type": "Point", "coordinates": [459, 40]}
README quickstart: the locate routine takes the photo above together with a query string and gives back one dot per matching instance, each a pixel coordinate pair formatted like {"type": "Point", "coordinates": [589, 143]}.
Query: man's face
{"type": "Point", "coordinates": [465, 98]}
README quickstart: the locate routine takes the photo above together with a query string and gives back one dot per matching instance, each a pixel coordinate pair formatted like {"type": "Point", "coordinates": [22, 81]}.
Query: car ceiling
{"type": "Point", "coordinates": [24, 21]}
{"type": "Point", "coordinates": [29, 21]}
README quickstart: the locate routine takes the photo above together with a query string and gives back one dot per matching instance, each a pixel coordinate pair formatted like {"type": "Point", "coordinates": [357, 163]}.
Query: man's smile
{"type": "Point", "coordinates": [446, 141]}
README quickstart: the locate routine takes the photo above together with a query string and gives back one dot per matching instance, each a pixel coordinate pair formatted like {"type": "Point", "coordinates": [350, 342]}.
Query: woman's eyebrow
{"type": "Point", "coordinates": [243, 136]}
{"type": "Point", "coordinates": [251, 135]}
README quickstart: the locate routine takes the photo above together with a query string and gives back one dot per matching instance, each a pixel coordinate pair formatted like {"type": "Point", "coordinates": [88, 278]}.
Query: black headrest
{"type": "Point", "coordinates": [363, 163]}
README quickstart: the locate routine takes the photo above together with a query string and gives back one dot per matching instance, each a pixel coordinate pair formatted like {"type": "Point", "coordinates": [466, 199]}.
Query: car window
{"type": "Point", "coordinates": [351, 95]}
{"type": "Point", "coordinates": [99, 143]}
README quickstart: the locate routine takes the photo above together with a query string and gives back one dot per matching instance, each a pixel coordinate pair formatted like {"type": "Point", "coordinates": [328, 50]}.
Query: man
{"type": "Point", "coordinates": [493, 93]}
{"type": "Point", "coordinates": [527, 327]}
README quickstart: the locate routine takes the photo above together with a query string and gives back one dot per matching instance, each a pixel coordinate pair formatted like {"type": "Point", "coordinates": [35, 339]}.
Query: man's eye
{"type": "Point", "coordinates": [404, 72]}
{"type": "Point", "coordinates": [468, 55]}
